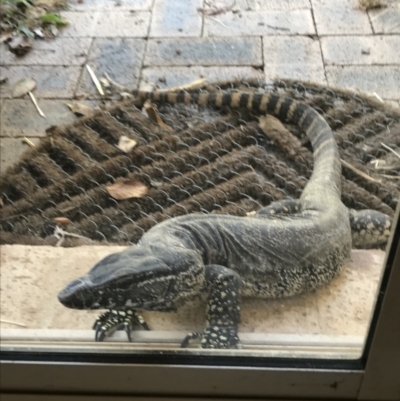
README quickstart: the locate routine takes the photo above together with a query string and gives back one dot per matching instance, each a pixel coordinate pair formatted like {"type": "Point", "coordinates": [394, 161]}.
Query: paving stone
{"type": "Point", "coordinates": [261, 23]}
{"type": "Point", "coordinates": [81, 24]}
{"type": "Point", "coordinates": [253, 5]}
{"type": "Point", "coordinates": [51, 82]}
{"type": "Point", "coordinates": [361, 49]}
{"type": "Point", "coordinates": [120, 58]}
{"type": "Point", "coordinates": [384, 80]}
{"type": "Point", "coordinates": [167, 77]}
{"type": "Point", "coordinates": [341, 20]}
{"type": "Point", "coordinates": [11, 149]}
{"type": "Point", "coordinates": [386, 20]}
{"type": "Point", "coordinates": [122, 24]}
{"type": "Point", "coordinates": [297, 57]}
{"type": "Point", "coordinates": [176, 18]}
{"type": "Point", "coordinates": [204, 51]}
{"type": "Point", "coordinates": [111, 5]}
{"type": "Point", "coordinates": [62, 51]}
{"type": "Point", "coordinates": [20, 118]}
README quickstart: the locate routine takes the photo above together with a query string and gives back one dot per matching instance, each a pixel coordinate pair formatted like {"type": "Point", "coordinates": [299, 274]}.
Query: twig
{"type": "Point", "coordinates": [199, 83]}
{"type": "Point", "coordinates": [389, 148]}
{"type": "Point", "coordinates": [11, 322]}
{"type": "Point", "coordinates": [392, 177]}
{"type": "Point", "coordinates": [95, 80]}
{"type": "Point", "coordinates": [60, 234]}
{"type": "Point", "coordinates": [115, 84]}
{"type": "Point", "coordinates": [378, 97]}
{"type": "Point", "coordinates": [219, 22]}
{"type": "Point", "coordinates": [36, 105]}
{"type": "Point", "coordinates": [28, 142]}
{"type": "Point", "coordinates": [359, 172]}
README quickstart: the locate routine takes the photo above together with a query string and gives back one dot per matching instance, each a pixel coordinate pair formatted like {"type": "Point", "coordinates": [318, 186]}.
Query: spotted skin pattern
{"type": "Point", "coordinates": [287, 248]}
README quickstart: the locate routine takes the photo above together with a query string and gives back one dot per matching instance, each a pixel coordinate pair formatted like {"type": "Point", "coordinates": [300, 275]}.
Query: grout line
{"type": "Point", "coordinates": [320, 46]}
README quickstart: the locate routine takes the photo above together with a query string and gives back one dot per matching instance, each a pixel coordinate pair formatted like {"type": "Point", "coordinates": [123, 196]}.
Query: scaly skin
{"type": "Point", "coordinates": [287, 248]}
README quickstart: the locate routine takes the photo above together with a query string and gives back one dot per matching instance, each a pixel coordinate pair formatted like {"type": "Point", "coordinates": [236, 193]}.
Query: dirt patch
{"type": "Point", "coordinates": [214, 161]}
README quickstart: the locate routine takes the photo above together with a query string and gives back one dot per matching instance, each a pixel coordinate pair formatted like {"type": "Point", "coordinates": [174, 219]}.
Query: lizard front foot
{"type": "Point", "coordinates": [117, 319]}
{"type": "Point", "coordinates": [217, 337]}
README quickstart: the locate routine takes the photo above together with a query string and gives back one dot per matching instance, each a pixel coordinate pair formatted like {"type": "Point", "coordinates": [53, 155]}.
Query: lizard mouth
{"type": "Point", "coordinates": [72, 295]}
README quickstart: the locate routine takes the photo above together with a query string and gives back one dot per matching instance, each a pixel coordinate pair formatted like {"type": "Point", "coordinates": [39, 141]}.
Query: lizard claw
{"type": "Point", "coordinates": [116, 319]}
{"type": "Point", "coordinates": [214, 337]}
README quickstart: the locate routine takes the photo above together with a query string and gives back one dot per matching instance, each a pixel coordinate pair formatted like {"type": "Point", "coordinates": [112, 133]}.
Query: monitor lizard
{"type": "Point", "coordinates": [287, 248]}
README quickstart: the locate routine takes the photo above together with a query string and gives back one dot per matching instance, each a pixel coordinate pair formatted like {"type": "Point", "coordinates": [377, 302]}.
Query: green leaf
{"type": "Point", "coordinates": [26, 31]}
{"type": "Point", "coordinates": [55, 19]}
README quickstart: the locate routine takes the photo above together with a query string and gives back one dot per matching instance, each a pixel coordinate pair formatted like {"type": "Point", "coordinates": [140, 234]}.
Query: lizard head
{"type": "Point", "coordinates": [134, 278]}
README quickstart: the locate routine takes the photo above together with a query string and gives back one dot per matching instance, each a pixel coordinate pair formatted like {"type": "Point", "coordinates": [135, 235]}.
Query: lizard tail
{"type": "Point", "coordinates": [326, 177]}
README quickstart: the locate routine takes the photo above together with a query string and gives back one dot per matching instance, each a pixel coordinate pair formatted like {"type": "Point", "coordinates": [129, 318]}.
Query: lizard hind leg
{"type": "Point", "coordinates": [369, 228]}
{"type": "Point", "coordinates": [223, 309]}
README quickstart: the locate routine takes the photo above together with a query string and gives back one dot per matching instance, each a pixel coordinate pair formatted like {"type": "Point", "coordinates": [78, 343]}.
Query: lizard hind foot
{"type": "Point", "coordinates": [216, 337]}
{"type": "Point", "coordinates": [117, 319]}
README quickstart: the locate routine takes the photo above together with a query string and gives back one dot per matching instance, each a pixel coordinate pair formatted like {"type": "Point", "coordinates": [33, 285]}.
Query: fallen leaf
{"type": "Point", "coordinates": [104, 82]}
{"type": "Point", "coordinates": [252, 213]}
{"type": "Point", "coordinates": [80, 109]}
{"type": "Point", "coordinates": [126, 144]}
{"type": "Point", "coordinates": [154, 116]}
{"type": "Point", "coordinates": [127, 189]}
{"type": "Point", "coordinates": [61, 221]}
{"type": "Point", "coordinates": [38, 32]}
{"type": "Point", "coordinates": [54, 19]}
{"type": "Point", "coordinates": [19, 45]}
{"type": "Point", "coordinates": [23, 86]}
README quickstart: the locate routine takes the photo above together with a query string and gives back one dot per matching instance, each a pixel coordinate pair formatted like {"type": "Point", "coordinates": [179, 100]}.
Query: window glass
{"type": "Point", "coordinates": [155, 186]}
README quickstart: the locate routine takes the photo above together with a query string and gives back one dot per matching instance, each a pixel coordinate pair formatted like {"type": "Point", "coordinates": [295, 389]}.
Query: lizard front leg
{"type": "Point", "coordinates": [223, 309]}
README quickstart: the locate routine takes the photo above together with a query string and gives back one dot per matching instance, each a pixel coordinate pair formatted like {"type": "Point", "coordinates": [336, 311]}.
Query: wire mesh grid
{"type": "Point", "coordinates": [208, 161]}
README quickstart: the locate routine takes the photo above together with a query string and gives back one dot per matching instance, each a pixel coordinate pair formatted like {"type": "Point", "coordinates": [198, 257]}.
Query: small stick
{"type": "Point", "coordinates": [28, 142]}
{"type": "Point", "coordinates": [389, 148]}
{"type": "Point", "coordinates": [360, 173]}
{"type": "Point", "coordinates": [10, 322]}
{"type": "Point", "coordinates": [36, 105]}
{"type": "Point", "coordinates": [95, 80]}
{"type": "Point", "coordinates": [113, 83]}
{"type": "Point", "coordinates": [378, 97]}
{"type": "Point", "coordinates": [392, 177]}
{"type": "Point", "coordinates": [199, 83]}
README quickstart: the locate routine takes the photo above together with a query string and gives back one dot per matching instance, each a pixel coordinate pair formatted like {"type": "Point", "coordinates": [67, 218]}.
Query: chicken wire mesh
{"type": "Point", "coordinates": [205, 161]}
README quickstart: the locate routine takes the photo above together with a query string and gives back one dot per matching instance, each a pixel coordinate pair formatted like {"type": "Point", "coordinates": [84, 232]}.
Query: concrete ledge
{"type": "Point", "coordinates": [31, 277]}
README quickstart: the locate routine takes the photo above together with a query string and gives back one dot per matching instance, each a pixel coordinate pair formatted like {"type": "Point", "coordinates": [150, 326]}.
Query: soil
{"type": "Point", "coordinates": [213, 161]}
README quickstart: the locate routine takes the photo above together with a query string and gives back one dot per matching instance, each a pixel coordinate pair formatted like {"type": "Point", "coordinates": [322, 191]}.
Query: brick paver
{"type": "Point", "coordinates": [341, 21]}
{"type": "Point", "coordinates": [301, 59]}
{"type": "Point", "coordinates": [384, 80]}
{"type": "Point", "coordinates": [386, 20]}
{"type": "Point", "coordinates": [120, 58]}
{"type": "Point", "coordinates": [62, 51]}
{"type": "Point", "coordinates": [170, 42]}
{"type": "Point", "coordinates": [361, 50]}
{"type": "Point", "coordinates": [164, 77]}
{"type": "Point", "coordinates": [260, 23]}
{"type": "Point", "coordinates": [204, 51]}
{"type": "Point", "coordinates": [176, 18]}
{"type": "Point", "coordinates": [20, 117]}
{"type": "Point", "coordinates": [51, 81]}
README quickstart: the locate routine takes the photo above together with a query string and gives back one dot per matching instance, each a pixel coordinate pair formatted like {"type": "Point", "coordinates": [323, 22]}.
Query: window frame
{"type": "Point", "coordinates": [373, 377]}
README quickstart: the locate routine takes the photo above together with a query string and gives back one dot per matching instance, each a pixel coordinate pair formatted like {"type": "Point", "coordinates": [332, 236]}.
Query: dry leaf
{"type": "Point", "coordinates": [19, 45]}
{"type": "Point", "coordinates": [61, 221]}
{"type": "Point", "coordinates": [126, 95]}
{"type": "Point", "coordinates": [80, 109]}
{"type": "Point", "coordinates": [105, 82]}
{"type": "Point", "coordinates": [252, 213]}
{"type": "Point", "coordinates": [127, 189]}
{"type": "Point", "coordinates": [23, 86]}
{"type": "Point", "coordinates": [126, 144]}
{"type": "Point", "coordinates": [154, 116]}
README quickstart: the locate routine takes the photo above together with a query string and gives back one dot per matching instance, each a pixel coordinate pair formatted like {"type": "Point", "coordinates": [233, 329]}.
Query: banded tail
{"type": "Point", "coordinates": [326, 177]}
